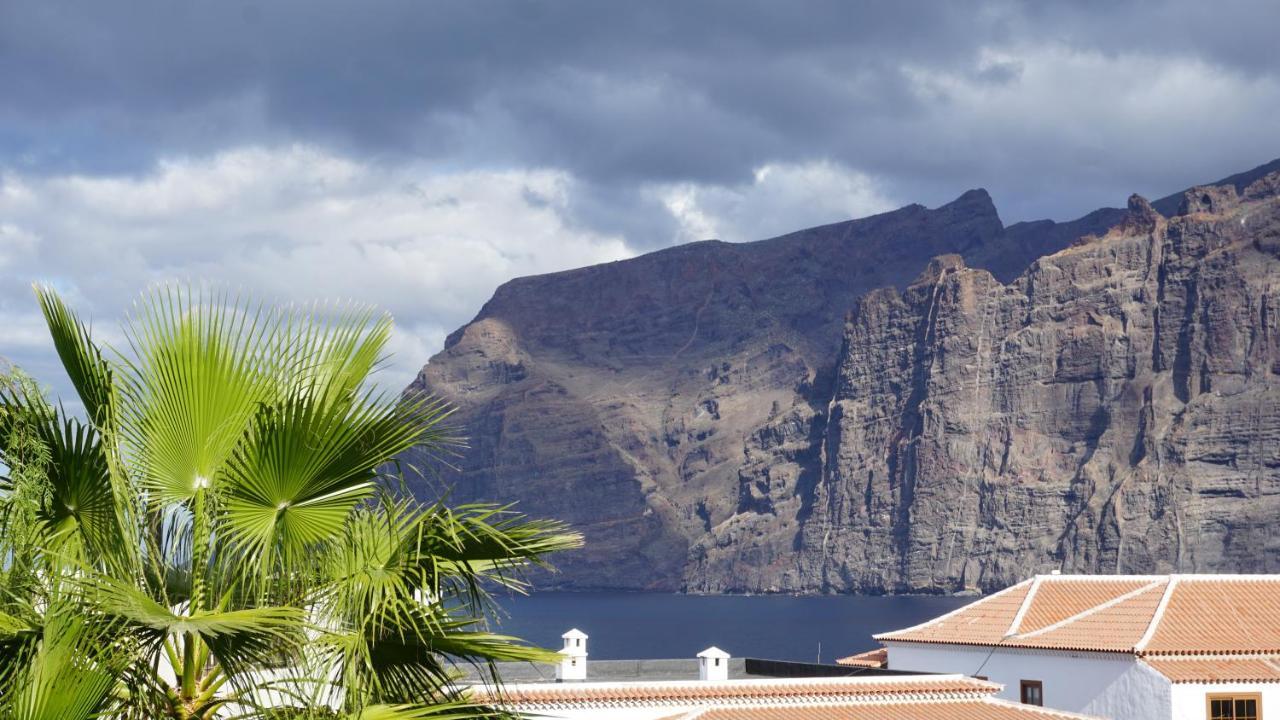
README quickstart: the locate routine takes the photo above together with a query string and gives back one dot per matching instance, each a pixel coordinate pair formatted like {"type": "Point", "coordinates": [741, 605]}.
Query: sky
{"type": "Point", "coordinates": [416, 154]}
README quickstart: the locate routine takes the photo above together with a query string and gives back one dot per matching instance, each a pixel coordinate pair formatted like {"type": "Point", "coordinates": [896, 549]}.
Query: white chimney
{"type": "Point", "coordinates": [573, 656]}
{"type": "Point", "coordinates": [713, 664]}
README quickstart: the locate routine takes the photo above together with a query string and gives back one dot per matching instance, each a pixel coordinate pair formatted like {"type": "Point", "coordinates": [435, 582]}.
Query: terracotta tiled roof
{"type": "Point", "coordinates": [1146, 615]}
{"type": "Point", "coordinates": [697, 693]}
{"type": "Point", "coordinates": [1057, 601]}
{"type": "Point", "coordinates": [1114, 626]}
{"type": "Point", "coordinates": [1217, 668]}
{"type": "Point", "coordinates": [877, 658]}
{"type": "Point", "coordinates": [919, 710]}
{"type": "Point", "coordinates": [984, 622]}
{"type": "Point", "coordinates": [1236, 615]}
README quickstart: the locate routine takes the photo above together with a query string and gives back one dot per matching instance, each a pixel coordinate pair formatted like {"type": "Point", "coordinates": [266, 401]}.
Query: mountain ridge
{"type": "Point", "coordinates": [675, 406]}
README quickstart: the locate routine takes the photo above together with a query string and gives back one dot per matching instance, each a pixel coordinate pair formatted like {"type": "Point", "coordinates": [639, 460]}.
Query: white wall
{"type": "Point", "coordinates": [1109, 686]}
{"type": "Point", "coordinates": [1189, 698]}
{"type": "Point", "coordinates": [1139, 693]}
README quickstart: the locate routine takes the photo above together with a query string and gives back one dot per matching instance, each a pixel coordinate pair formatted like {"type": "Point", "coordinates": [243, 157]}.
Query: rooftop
{"type": "Point", "coordinates": [1146, 615]}
{"type": "Point", "coordinates": [1217, 668]}
{"type": "Point", "coordinates": [906, 710]}
{"type": "Point", "coordinates": [876, 658]}
{"type": "Point", "coordinates": [918, 697]}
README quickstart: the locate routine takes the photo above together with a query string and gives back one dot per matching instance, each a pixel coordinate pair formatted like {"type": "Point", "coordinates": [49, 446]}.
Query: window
{"type": "Point", "coordinates": [1032, 692]}
{"type": "Point", "coordinates": [1236, 706]}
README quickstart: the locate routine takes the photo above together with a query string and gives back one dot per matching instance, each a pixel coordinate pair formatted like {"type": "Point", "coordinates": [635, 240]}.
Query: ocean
{"type": "Point", "coordinates": [626, 626]}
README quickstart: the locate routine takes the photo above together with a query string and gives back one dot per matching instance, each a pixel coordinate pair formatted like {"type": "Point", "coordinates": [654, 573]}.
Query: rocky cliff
{"type": "Point", "coordinates": [754, 417]}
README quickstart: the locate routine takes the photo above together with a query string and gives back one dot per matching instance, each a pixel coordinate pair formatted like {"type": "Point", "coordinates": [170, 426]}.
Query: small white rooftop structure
{"type": "Point", "coordinates": [713, 664]}
{"type": "Point", "coordinates": [573, 656]}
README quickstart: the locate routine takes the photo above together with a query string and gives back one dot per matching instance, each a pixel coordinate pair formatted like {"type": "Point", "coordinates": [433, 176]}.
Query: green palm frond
{"type": "Point", "coordinates": [374, 575]}
{"type": "Point", "coordinates": [90, 373]}
{"type": "Point", "coordinates": [135, 607]}
{"type": "Point", "coordinates": [304, 467]}
{"type": "Point", "coordinates": [480, 542]}
{"type": "Point", "coordinates": [82, 500]}
{"type": "Point", "coordinates": [335, 348]}
{"type": "Point", "coordinates": [16, 633]}
{"type": "Point", "coordinates": [437, 636]}
{"type": "Point", "coordinates": [416, 662]}
{"type": "Point", "coordinates": [67, 672]}
{"type": "Point", "coordinates": [403, 637]}
{"type": "Point", "coordinates": [229, 531]}
{"type": "Point", "coordinates": [200, 373]}
{"type": "Point", "coordinates": [399, 549]}
{"type": "Point", "coordinates": [12, 626]}
{"type": "Point", "coordinates": [25, 488]}
{"type": "Point", "coordinates": [79, 504]}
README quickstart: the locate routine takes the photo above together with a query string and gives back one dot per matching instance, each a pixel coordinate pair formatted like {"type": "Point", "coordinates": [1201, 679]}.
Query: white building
{"type": "Point", "coordinates": [1164, 647]}
{"type": "Point", "coordinates": [713, 664]}
{"type": "Point", "coordinates": [573, 656]}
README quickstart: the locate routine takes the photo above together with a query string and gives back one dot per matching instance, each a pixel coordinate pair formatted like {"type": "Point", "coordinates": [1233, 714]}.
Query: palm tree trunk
{"type": "Point", "coordinates": [199, 562]}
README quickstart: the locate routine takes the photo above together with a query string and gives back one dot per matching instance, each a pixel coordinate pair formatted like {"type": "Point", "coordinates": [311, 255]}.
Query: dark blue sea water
{"type": "Point", "coordinates": [639, 625]}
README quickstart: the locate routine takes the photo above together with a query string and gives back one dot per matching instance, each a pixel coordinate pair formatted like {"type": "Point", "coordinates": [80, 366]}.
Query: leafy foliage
{"type": "Point", "coordinates": [225, 533]}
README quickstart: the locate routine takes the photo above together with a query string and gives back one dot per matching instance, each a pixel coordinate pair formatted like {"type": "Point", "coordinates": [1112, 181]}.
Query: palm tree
{"type": "Point", "coordinates": [226, 533]}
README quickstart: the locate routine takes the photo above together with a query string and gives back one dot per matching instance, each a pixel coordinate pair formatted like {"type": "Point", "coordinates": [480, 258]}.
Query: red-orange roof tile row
{"type": "Point", "coordinates": [877, 658]}
{"type": "Point", "coordinates": [736, 691]}
{"type": "Point", "coordinates": [1237, 615]}
{"type": "Point", "coordinates": [1118, 627]}
{"type": "Point", "coordinates": [1058, 601]}
{"type": "Point", "coordinates": [1217, 668]}
{"type": "Point", "coordinates": [962, 710]}
{"type": "Point", "coordinates": [984, 622]}
{"type": "Point", "coordinates": [1147, 615]}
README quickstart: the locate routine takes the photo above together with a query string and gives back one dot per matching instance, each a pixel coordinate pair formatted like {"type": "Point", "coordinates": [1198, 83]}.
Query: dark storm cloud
{"type": "Point", "coordinates": [649, 90]}
{"type": "Point", "coordinates": [415, 154]}
{"type": "Point", "coordinates": [616, 93]}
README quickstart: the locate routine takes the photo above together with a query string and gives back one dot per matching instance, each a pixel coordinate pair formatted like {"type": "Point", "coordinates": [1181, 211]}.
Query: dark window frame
{"type": "Point", "coordinates": [1036, 685]}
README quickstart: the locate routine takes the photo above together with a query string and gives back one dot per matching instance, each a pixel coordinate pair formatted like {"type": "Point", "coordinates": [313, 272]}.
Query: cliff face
{"type": "Point", "coordinates": [1115, 409]}
{"type": "Point", "coordinates": [696, 414]}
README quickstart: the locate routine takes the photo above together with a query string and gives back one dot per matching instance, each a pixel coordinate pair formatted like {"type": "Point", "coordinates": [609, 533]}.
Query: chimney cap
{"type": "Point", "coordinates": [713, 652]}
{"type": "Point", "coordinates": [574, 634]}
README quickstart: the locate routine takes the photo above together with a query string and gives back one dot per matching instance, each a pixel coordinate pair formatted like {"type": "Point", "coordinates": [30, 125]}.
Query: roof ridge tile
{"type": "Point", "coordinates": [1026, 605]}
{"type": "Point", "coordinates": [1158, 615]}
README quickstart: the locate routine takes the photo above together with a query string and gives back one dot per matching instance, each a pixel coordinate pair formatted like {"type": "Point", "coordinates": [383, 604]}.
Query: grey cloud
{"type": "Point", "coordinates": [1239, 34]}
{"type": "Point", "coordinates": [616, 93]}
{"type": "Point", "coordinates": [1056, 108]}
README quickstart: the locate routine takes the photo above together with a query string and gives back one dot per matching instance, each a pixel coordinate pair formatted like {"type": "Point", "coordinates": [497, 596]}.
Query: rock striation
{"type": "Point", "coordinates": [761, 418]}
{"type": "Point", "coordinates": [1114, 409]}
